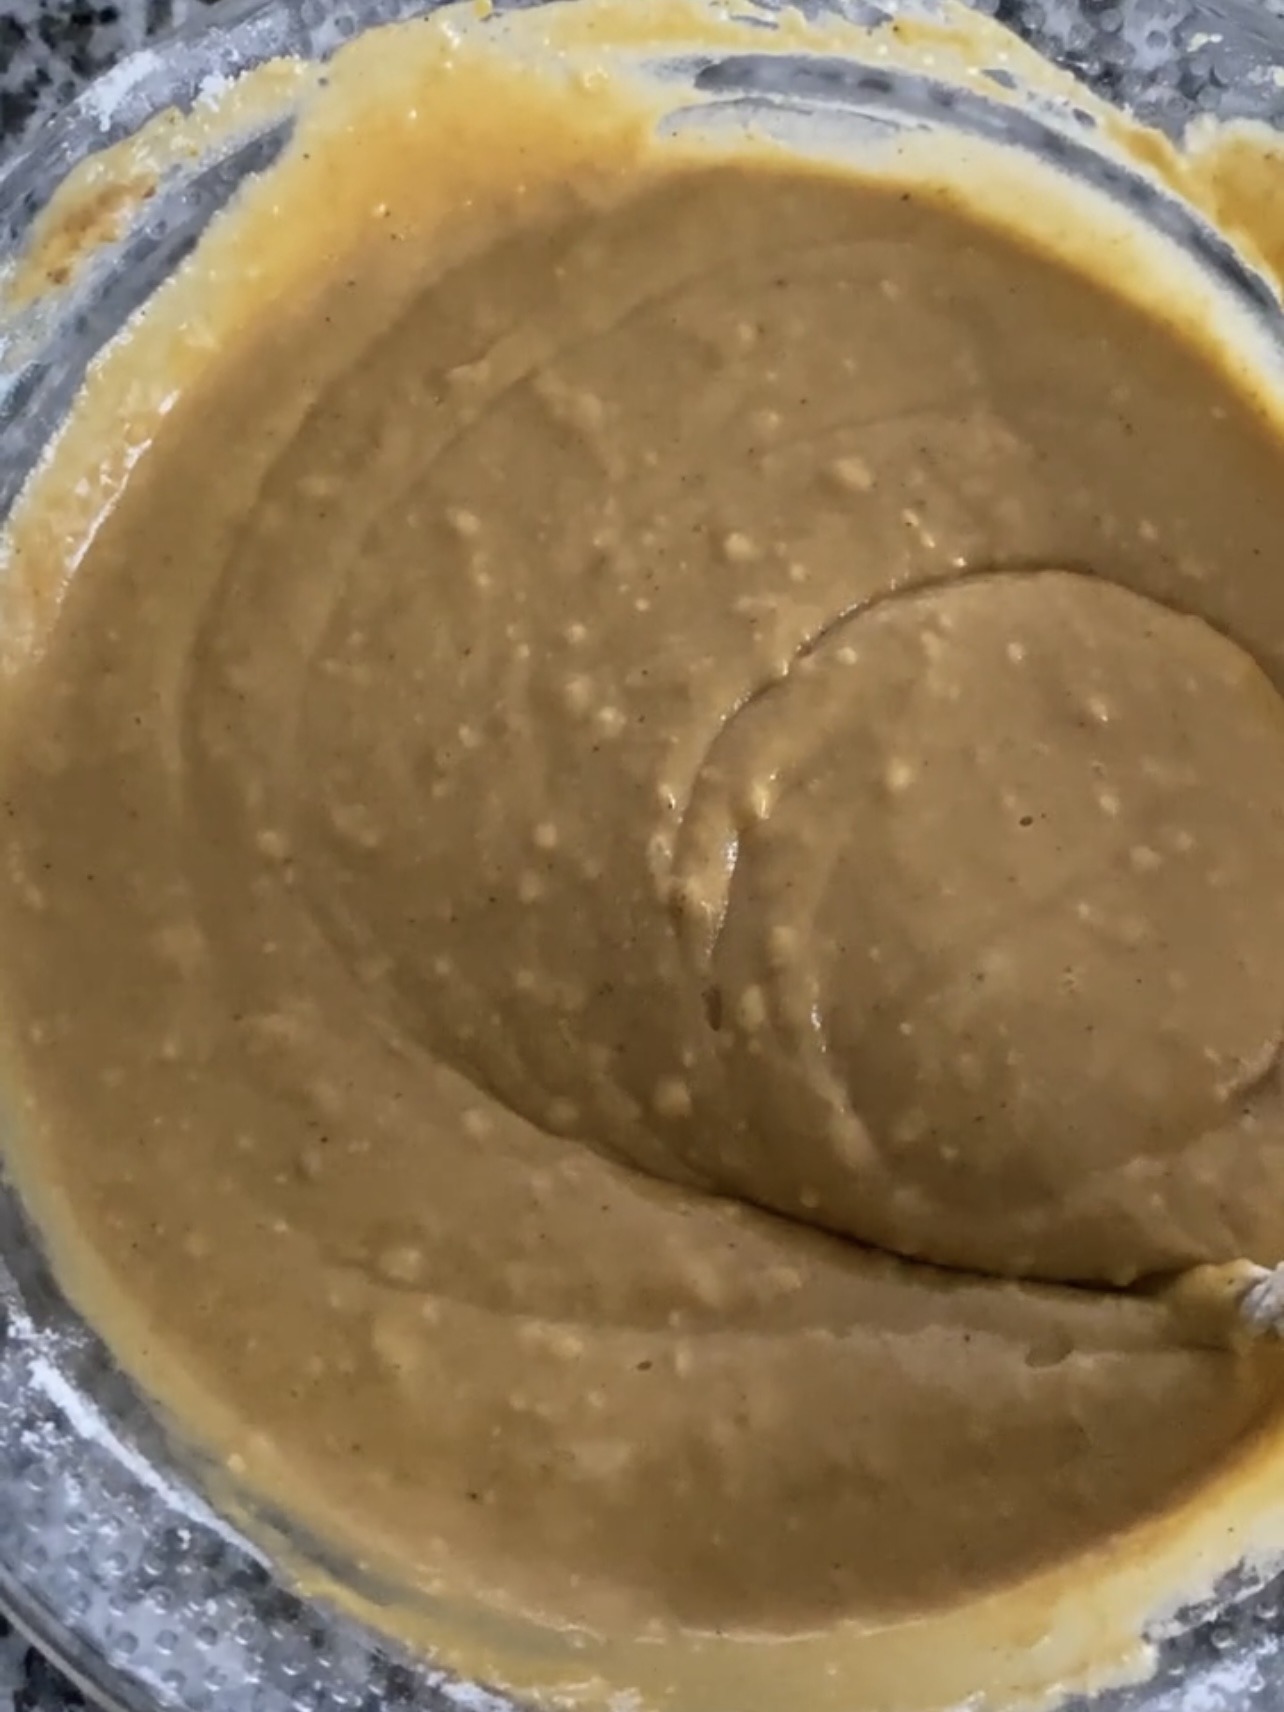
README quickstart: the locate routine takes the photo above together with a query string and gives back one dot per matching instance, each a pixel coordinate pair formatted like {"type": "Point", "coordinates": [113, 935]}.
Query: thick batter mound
{"type": "Point", "coordinates": [643, 881]}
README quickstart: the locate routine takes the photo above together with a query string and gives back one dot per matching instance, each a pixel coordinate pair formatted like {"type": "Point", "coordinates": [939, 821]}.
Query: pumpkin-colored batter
{"type": "Point", "coordinates": [642, 873]}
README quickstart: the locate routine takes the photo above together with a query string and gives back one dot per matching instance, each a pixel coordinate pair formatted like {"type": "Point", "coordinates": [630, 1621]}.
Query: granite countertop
{"type": "Point", "coordinates": [28, 1682]}
{"type": "Point", "coordinates": [49, 48]}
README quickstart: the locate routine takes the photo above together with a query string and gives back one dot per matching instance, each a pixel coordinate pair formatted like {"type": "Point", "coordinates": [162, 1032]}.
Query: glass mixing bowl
{"type": "Point", "coordinates": [110, 1556]}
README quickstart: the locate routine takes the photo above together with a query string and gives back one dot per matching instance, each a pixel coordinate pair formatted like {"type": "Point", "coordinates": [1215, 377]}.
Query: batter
{"type": "Point", "coordinates": [641, 850]}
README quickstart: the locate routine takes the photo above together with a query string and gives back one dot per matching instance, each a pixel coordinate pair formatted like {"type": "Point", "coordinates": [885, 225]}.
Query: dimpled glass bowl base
{"type": "Point", "coordinates": [109, 1556]}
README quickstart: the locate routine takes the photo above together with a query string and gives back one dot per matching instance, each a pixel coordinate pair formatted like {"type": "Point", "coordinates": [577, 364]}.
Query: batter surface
{"type": "Point", "coordinates": [642, 880]}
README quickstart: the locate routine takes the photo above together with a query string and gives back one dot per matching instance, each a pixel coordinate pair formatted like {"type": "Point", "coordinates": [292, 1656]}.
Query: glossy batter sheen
{"type": "Point", "coordinates": [642, 874]}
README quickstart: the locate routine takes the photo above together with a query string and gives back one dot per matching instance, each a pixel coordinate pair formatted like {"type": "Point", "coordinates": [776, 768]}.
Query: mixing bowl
{"type": "Point", "coordinates": [111, 1555]}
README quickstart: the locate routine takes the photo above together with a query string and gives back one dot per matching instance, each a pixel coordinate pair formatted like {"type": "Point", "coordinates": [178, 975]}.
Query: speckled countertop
{"type": "Point", "coordinates": [49, 48]}
{"type": "Point", "coordinates": [28, 1682]}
